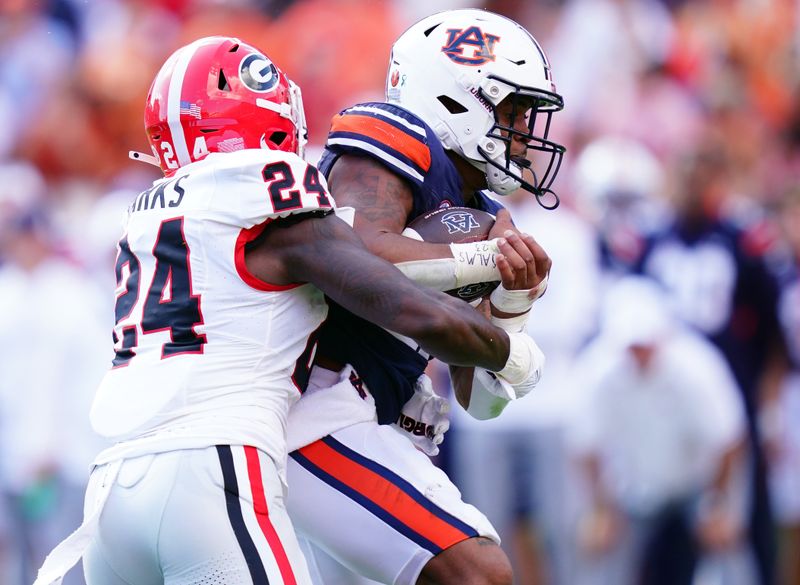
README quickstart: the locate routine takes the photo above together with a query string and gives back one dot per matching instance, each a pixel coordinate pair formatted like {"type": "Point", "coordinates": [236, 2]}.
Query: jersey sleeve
{"type": "Point", "coordinates": [388, 133]}
{"type": "Point", "coordinates": [485, 202]}
{"type": "Point", "coordinates": [258, 185]}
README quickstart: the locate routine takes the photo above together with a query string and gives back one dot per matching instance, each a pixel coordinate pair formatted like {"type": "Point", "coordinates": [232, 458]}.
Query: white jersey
{"type": "Point", "coordinates": [205, 352]}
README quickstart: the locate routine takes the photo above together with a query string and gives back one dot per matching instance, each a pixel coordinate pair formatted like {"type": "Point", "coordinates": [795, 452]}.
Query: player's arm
{"type": "Point", "coordinates": [383, 202]}
{"type": "Point", "coordinates": [482, 394]}
{"type": "Point", "coordinates": [326, 252]}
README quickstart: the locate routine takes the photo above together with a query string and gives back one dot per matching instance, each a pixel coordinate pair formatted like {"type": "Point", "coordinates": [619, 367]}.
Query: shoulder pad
{"type": "Point", "coordinates": [252, 186]}
{"type": "Point", "coordinates": [394, 136]}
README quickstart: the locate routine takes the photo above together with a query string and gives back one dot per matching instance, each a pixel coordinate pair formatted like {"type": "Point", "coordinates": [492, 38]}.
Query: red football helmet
{"type": "Point", "coordinates": [219, 94]}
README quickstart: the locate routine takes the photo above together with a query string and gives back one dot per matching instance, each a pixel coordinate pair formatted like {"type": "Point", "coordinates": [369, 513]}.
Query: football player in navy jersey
{"type": "Point", "coordinates": [717, 269]}
{"type": "Point", "coordinates": [469, 103]}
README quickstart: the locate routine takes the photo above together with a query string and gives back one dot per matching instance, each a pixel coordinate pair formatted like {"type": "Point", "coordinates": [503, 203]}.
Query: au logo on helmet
{"type": "Point", "coordinates": [258, 73]}
{"type": "Point", "coordinates": [472, 39]}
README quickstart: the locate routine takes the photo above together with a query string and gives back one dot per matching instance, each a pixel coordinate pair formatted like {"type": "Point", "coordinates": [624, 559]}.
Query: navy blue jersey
{"type": "Point", "coordinates": [719, 277]}
{"type": "Point", "coordinates": [409, 148]}
{"type": "Point", "coordinates": [788, 273]}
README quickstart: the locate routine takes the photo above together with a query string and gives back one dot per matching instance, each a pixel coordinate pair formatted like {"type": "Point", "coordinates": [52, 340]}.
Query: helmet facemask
{"type": "Point", "coordinates": [535, 160]}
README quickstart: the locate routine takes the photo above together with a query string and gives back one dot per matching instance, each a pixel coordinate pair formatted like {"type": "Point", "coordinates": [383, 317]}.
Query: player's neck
{"type": "Point", "coordinates": [472, 179]}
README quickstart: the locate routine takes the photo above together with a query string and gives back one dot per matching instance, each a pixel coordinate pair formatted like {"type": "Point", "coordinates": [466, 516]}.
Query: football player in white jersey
{"type": "Point", "coordinates": [469, 100]}
{"type": "Point", "coordinates": [221, 276]}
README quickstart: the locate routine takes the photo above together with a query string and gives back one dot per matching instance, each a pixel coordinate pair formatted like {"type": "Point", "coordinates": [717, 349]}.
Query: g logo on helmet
{"type": "Point", "coordinates": [481, 44]}
{"type": "Point", "coordinates": [258, 73]}
{"type": "Point", "coordinates": [459, 221]}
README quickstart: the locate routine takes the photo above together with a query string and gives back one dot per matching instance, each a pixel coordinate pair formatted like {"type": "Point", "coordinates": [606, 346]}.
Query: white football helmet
{"type": "Point", "coordinates": [454, 68]}
{"type": "Point", "coordinates": [619, 181]}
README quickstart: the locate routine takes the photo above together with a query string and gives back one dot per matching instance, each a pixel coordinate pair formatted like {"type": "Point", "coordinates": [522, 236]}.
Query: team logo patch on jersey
{"type": "Point", "coordinates": [258, 73]}
{"type": "Point", "coordinates": [470, 46]}
{"type": "Point", "coordinates": [459, 222]}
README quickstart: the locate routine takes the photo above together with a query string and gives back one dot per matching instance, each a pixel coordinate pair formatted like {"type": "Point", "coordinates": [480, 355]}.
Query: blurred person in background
{"type": "Point", "coordinates": [781, 419]}
{"type": "Point", "coordinates": [469, 95]}
{"type": "Point", "coordinates": [38, 43]}
{"type": "Point", "coordinates": [618, 186]}
{"type": "Point", "coordinates": [715, 264]}
{"type": "Point", "coordinates": [660, 438]}
{"type": "Point", "coordinates": [52, 355]}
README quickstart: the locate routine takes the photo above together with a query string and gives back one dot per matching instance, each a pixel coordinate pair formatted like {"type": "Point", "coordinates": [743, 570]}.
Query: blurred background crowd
{"type": "Point", "coordinates": [663, 444]}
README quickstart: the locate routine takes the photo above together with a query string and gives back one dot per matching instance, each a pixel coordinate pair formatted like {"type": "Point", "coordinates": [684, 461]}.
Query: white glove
{"type": "Point", "coordinates": [424, 418]}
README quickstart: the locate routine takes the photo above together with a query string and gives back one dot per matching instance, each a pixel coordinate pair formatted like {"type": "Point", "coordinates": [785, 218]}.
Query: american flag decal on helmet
{"type": "Point", "coordinates": [190, 109]}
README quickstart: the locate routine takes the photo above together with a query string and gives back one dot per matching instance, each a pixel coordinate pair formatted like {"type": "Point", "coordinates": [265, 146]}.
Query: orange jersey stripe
{"type": "Point", "coordinates": [384, 494]}
{"type": "Point", "coordinates": [387, 134]}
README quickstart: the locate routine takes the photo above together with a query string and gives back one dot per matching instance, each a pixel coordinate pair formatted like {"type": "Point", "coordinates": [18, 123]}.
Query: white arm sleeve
{"type": "Point", "coordinates": [471, 263]}
{"type": "Point", "coordinates": [489, 396]}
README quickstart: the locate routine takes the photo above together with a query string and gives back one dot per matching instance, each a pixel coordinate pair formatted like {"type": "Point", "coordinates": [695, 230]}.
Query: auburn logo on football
{"type": "Point", "coordinates": [479, 46]}
{"type": "Point", "coordinates": [459, 221]}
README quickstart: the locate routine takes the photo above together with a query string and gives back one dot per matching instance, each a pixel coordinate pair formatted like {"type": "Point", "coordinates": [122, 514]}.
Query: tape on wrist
{"type": "Point", "coordinates": [475, 262]}
{"type": "Point", "coordinates": [511, 301]}
{"type": "Point", "coordinates": [525, 360]}
{"type": "Point", "coordinates": [517, 301]}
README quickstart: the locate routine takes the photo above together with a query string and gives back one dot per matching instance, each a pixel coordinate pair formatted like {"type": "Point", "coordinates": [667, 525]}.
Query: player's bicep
{"type": "Point", "coordinates": [328, 253]}
{"type": "Point", "coordinates": [382, 199]}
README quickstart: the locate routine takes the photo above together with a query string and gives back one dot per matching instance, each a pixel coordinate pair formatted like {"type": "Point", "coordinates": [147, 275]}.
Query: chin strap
{"type": "Point", "coordinates": [145, 158]}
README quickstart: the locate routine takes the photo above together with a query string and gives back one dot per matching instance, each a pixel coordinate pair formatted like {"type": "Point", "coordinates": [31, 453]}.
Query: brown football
{"type": "Point", "coordinates": [455, 225]}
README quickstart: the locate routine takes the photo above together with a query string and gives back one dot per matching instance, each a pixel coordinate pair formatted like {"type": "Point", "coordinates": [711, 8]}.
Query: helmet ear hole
{"type": "Point", "coordinates": [278, 137]}
{"type": "Point", "coordinates": [222, 83]}
{"type": "Point", "coordinates": [452, 105]}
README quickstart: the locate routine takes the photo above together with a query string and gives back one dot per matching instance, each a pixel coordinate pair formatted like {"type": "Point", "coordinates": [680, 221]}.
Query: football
{"type": "Point", "coordinates": [455, 225]}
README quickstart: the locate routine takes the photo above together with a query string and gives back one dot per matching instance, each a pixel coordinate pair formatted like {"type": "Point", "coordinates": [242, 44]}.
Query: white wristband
{"type": "Point", "coordinates": [517, 301]}
{"type": "Point", "coordinates": [525, 360]}
{"type": "Point", "coordinates": [476, 262]}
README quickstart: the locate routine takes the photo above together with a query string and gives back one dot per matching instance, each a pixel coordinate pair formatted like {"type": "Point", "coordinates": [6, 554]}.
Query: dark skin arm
{"type": "Point", "coordinates": [384, 201]}
{"type": "Point", "coordinates": [326, 252]}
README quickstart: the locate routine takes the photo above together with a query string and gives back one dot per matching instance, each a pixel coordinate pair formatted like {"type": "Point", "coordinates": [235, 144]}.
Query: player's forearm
{"type": "Point", "coordinates": [397, 248]}
{"type": "Point", "coordinates": [462, 337]}
{"type": "Point", "coordinates": [328, 253]}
